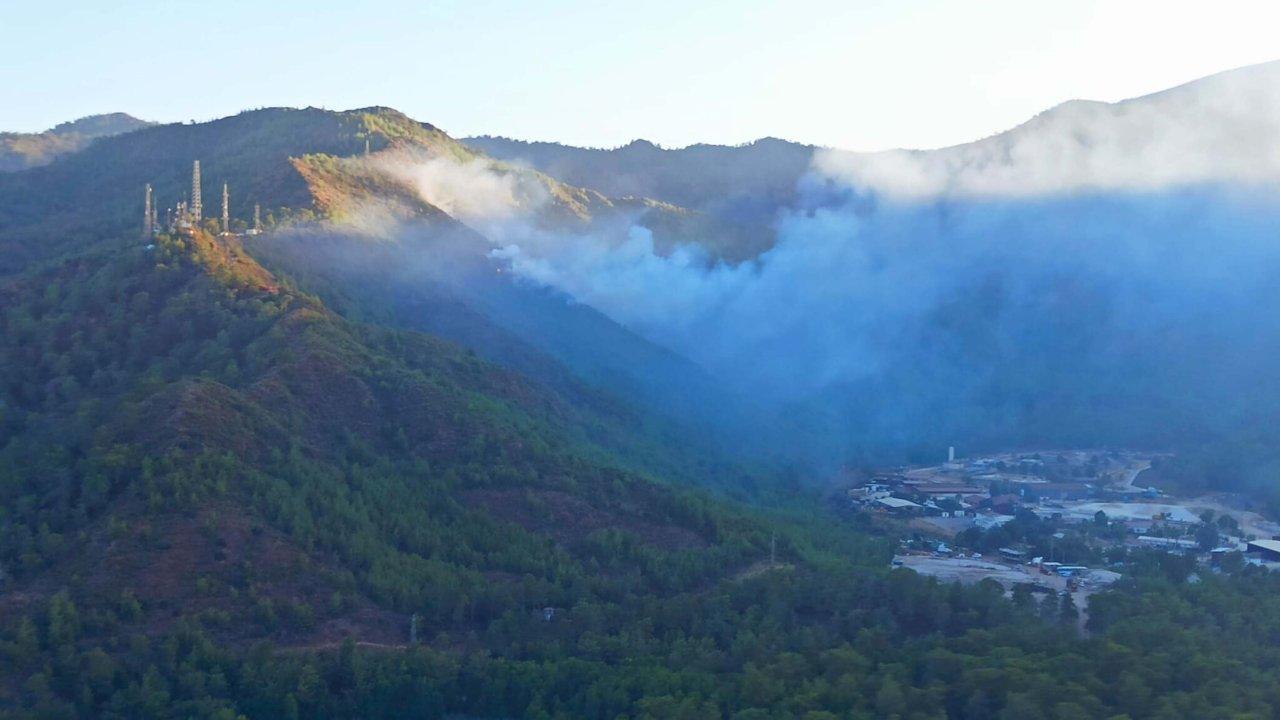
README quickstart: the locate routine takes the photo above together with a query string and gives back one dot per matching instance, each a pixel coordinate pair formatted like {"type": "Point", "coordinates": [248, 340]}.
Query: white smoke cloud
{"type": "Point", "coordinates": [617, 269]}
{"type": "Point", "coordinates": [611, 263]}
{"type": "Point", "coordinates": [477, 191]}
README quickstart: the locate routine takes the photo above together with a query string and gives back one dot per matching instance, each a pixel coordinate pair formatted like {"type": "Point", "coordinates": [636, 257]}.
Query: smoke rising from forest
{"type": "Point", "coordinates": [1077, 279]}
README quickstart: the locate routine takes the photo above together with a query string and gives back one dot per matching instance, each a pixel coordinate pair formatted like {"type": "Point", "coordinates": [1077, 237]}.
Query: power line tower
{"type": "Point", "coordinates": [148, 220]}
{"type": "Point", "coordinates": [226, 211]}
{"type": "Point", "coordinates": [197, 207]}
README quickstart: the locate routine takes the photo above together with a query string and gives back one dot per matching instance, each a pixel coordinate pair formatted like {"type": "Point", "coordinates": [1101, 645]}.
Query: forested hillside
{"type": "Point", "coordinates": [439, 278]}
{"type": "Point", "coordinates": [179, 410]}
{"type": "Point", "coordinates": [294, 475]}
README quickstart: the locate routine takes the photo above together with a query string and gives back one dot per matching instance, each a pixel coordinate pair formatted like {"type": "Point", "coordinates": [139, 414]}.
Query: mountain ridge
{"type": "Point", "coordinates": [19, 151]}
{"type": "Point", "coordinates": [746, 186]}
{"type": "Point", "coordinates": [262, 154]}
{"type": "Point", "coordinates": [309, 171]}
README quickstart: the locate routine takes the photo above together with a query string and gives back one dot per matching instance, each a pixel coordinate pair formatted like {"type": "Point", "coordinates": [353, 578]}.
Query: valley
{"type": "Point", "coordinates": [313, 413]}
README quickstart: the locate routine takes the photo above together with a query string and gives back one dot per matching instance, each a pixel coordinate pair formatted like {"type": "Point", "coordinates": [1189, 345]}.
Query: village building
{"type": "Point", "coordinates": [898, 506]}
{"type": "Point", "coordinates": [1268, 550]}
{"type": "Point", "coordinates": [1164, 543]}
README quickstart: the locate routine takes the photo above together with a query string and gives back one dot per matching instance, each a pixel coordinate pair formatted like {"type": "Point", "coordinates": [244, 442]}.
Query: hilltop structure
{"type": "Point", "coordinates": [257, 221]}
{"type": "Point", "coordinates": [186, 216]}
{"type": "Point", "coordinates": [226, 212]}
{"type": "Point", "coordinates": [148, 216]}
{"type": "Point", "coordinates": [197, 207]}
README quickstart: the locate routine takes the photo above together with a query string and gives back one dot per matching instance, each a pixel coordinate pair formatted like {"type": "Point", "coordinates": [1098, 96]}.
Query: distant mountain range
{"type": "Point", "coordinates": [19, 151]}
{"type": "Point", "coordinates": [1219, 128]}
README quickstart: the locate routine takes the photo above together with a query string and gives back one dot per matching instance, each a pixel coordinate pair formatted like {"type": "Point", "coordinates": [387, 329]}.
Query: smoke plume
{"type": "Point", "coordinates": [1103, 273]}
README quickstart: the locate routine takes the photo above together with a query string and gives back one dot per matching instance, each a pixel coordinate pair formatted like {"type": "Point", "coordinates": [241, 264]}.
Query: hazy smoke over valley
{"type": "Point", "coordinates": [1077, 278]}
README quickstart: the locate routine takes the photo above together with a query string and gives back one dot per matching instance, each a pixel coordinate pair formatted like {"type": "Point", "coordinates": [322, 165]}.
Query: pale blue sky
{"type": "Point", "coordinates": [860, 75]}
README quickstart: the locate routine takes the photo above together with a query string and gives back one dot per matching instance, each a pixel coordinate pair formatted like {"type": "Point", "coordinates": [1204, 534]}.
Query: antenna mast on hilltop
{"type": "Point", "coordinates": [257, 219]}
{"type": "Point", "coordinates": [226, 214]}
{"type": "Point", "coordinates": [197, 208]}
{"type": "Point", "coordinates": [147, 217]}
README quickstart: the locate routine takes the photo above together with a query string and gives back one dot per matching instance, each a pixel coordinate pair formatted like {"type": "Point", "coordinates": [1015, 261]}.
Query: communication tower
{"type": "Point", "coordinates": [148, 220]}
{"type": "Point", "coordinates": [257, 219]}
{"type": "Point", "coordinates": [197, 208]}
